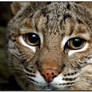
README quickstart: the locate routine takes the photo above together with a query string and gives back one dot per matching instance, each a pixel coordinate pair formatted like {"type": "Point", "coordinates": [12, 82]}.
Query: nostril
{"type": "Point", "coordinates": [49, 74]}
{"type": "Point", "coordinates": [52, 73]}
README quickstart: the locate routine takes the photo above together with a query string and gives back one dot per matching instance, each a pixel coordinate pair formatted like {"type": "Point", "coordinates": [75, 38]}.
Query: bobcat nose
{"type": "Point", "coordinates": [49, 74]}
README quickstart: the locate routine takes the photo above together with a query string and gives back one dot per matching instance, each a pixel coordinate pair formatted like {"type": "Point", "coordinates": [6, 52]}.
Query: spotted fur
{"type": "Point", "coordinates": [52, 21]}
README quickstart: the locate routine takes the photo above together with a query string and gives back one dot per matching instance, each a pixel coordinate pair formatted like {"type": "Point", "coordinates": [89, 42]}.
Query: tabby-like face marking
{"type": "Point", "coordinates": [55, 39]}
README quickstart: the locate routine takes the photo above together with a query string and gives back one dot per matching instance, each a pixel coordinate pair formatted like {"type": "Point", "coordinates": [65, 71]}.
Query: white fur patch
{"type": "Point", "coordinates": [41, 38]}
{"type": "Point", "coordinates": [58, 82]}
{"type": "Point", "coordinates": [80, 50]}
{"type": "Point", "coordinates": [39, 78]}
{"type": "Point", "coordinates": [86, 36]}
{"type": "Point", "coordinates": [58, 79]}
{"type": "Point", "coordinates": [24, 43]}
{"type": "Point", "coordinates": [65, 39]}
{"type": "Point", "coordinates": [89, 61]}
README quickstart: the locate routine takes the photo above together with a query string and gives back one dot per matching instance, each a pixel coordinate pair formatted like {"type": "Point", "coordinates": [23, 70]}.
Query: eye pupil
{"type": "Point", "coordinates": [33, 38]}
{"type": "Point", "coordinates": [77, 42]}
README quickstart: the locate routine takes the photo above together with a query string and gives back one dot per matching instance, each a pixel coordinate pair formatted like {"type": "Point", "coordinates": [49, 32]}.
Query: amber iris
{"type": "Point", "coordinates": [32, 39]}
{"type": "Point", "coordinates": [76, 43]}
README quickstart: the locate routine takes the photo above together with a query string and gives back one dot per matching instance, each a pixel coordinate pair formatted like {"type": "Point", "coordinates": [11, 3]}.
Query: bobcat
{"type": "Point", "coordinates": [50, 45]}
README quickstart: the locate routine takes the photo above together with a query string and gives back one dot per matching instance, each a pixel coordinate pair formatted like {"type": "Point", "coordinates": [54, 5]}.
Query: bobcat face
{"type": "Point", "coordinates": [49, 46]}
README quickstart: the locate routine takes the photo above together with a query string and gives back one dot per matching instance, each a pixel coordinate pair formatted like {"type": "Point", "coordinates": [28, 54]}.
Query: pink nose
{"type": "Point", "coordinates": [49, 74]}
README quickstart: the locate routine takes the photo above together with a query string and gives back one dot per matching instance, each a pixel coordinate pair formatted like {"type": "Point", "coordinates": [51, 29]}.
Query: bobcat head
{"type": "Point", "coordinates": [50, 45]}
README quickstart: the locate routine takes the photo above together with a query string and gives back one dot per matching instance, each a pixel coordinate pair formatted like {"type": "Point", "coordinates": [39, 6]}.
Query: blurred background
{"type": "Point", "coordinates": [7, 81]}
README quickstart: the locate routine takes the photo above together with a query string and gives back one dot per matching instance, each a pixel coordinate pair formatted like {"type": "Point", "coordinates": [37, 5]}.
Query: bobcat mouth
{"type": "Point", "coordinates": [48, 87]}
{"type": "Point", "coordinates": [51, 87]}
{"type": "Point", "coordinates": [58, 83]}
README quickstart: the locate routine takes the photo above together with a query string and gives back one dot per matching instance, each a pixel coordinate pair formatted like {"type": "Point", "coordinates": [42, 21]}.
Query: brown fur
{"type": "Point", "coordinates": [54, 21]}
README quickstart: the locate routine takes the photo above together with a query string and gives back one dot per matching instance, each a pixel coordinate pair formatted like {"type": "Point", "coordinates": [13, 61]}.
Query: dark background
{"type": "Point", "coordinates": [7, 81]}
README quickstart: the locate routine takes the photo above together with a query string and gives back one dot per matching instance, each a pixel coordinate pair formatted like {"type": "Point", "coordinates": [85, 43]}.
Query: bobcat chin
{"type": "Point", "coordinates": [50, 45]}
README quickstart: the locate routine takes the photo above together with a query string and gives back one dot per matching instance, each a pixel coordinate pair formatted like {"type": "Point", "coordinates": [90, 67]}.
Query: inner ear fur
{"type": "Point", "coordinates": [16, 6]}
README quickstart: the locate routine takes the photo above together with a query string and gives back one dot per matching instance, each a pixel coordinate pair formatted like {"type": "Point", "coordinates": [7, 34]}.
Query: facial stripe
{"type": "Point", "coordinates": [69, 79]}
{"type": "Point", "coordinates": [70, 74]}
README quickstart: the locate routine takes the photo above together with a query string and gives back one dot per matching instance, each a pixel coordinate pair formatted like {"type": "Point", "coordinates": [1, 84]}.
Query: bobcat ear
{"type": "Point", "coordinates": [15, 7]}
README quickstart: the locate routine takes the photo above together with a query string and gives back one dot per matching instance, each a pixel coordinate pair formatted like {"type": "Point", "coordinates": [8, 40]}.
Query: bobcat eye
{"type": "Point", "coordinates": [32, 39]}
{"type": "Point", "coordinates": [75, 43]}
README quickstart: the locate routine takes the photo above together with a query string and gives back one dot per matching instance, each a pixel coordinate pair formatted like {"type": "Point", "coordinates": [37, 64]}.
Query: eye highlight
{"type": "Point", "coordinates": [75, 43]}
{"type": "Point", "coordinates": [32, 39]}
